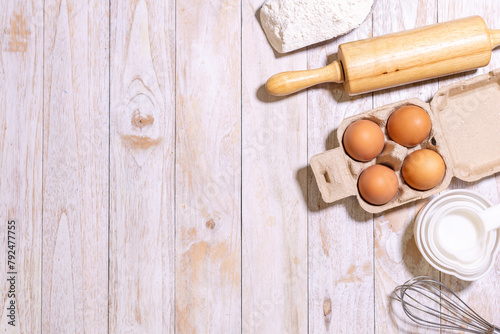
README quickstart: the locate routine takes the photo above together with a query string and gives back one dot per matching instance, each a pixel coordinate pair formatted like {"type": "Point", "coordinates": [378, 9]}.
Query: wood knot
{"type": "Point", "coordinates": [142, 121]}
{"type": "Point", "coordinates": [140, 130]}
{"type": "Point", "coordinates": [327, 306]}
{"type": "Point", "coordinates": [210, 224]}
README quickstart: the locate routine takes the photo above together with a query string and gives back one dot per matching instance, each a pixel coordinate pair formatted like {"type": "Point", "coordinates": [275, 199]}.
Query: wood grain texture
{"type": "Point", "coordinates": [398, 58]}
{"type": "Point", "coordinates": [142, 167]}
{"type": "Point", "coordinates": [483, 295]}
{"type": "Point", "coordinates": [208, 167]}
{"type": "Point", "coordinates": [75, 178]}
{"type": "Point", "coordinates": [21, 115]}
{"type": "Point", "coordinates": [215, 221]}
{"type": "Point", "coordinates": [340, 234]}
{"type": "Point", "coordinates": [274, 189]}
{"type": "Point", "coordinates": [397, 258]}
{"type": "Point", "coordinates": [289, 82]}
{"type": "Point", "coordinates": [413, 55]}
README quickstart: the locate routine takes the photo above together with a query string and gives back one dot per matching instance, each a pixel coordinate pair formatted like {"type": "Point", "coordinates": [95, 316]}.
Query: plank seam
{"type": "Point", "coordinates": [438, 84]}
{"type": "Point", "coordinates": [241, 166]}
{"type": "Point", "coordinates": [109, 153]}
{"type": "Point", "coordinates": [174, 306]}
{"type": "Point", "coordinates": [43, 154]}
{"type": "Point", "coordinates": [307, 193]}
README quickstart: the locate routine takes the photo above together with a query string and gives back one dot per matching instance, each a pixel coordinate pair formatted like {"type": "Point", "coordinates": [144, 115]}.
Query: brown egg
{"type": "Point", "coordinates": [409, 125]}
{"type": "Point", "coordinates": [363, 140]}
{"type": "Point", "coordinates": [423, 169]}
{"type": "Point", "coordinates": [378, 184]}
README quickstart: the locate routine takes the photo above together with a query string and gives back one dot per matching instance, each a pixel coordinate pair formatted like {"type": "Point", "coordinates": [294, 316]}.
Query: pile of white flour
{"type": "Point", "coordinates": [294, 24]}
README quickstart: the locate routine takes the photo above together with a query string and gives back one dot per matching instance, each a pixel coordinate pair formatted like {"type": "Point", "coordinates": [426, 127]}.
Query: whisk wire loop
{"type": "Point", "coordinates": [422, 297]}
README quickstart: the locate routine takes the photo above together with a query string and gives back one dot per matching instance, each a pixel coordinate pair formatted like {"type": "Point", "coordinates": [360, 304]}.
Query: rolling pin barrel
{"type": "Point", "coordinates": [403, 57]}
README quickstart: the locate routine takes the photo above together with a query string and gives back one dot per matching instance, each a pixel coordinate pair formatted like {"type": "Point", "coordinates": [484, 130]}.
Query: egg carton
{"type": "Point", "coordinates": [465, 131]}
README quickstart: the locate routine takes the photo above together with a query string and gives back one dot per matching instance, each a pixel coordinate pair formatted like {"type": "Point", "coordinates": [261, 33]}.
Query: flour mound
{"type": "Point", "coordinates": [294, 24]}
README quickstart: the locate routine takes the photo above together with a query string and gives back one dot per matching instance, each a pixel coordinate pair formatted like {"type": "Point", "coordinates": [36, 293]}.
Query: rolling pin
{"type": "Point", "coordinates": [399, 58]}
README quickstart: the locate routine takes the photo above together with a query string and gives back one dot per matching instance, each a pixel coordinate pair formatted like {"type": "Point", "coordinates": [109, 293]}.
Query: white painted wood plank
{"type": "Point", "coordinates": [274, 191]}
{"type": "Point", "coordinates": [482, 295]}
{"type": "Point", "coordinates": [340, 234]}
{"type": "Point", "coordinates": [208, 168]}
{"type": "Point", "coordinates": [142, 167]}
{"type": "Point", "coordinates": [75, 180]}
{"type": "Point", "coordinates": [21, 115]}
{"type": "Point", "coordinates": [396, 255]}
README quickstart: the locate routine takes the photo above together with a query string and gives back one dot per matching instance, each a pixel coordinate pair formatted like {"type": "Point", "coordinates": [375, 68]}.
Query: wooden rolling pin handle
{"type": "Point", "coordinates": [290, 82]}
{"type": "Point", "coordinates": [495, 38]}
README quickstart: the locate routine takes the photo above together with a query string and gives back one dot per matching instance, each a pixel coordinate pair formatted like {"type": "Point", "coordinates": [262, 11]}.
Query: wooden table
{"type": "Point", "coordinates": [155, 186]}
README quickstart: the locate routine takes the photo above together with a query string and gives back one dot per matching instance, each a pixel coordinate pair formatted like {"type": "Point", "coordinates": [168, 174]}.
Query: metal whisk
{"type": "Point", "coordinates": [430, 303]}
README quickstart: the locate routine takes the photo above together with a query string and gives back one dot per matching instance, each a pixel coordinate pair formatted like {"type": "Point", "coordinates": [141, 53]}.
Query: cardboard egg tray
{"type": "Point", "coordinates": [465, 131]}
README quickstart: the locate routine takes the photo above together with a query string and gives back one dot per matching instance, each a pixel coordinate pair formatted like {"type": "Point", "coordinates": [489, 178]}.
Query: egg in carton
{"type": "Point", "coordinates": [465, 131]}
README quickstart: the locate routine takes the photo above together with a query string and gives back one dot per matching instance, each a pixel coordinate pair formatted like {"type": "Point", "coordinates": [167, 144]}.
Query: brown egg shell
{"type": "Point", "coordinates": [409, 125]}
